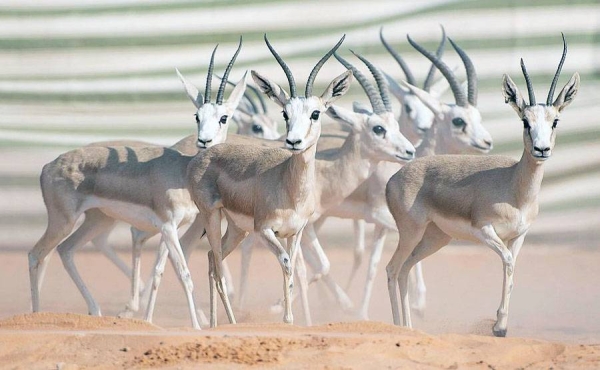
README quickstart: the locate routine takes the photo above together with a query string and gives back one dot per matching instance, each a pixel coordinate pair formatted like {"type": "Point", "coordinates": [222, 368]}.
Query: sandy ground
{"type": "Point", "coordinates": [555, 305]}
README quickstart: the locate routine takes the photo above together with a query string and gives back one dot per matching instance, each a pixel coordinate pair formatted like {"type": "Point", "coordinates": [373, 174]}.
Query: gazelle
{"type": "Point", "coordinates": [489, 199]}
{"type": "Point", "coordinates": [253, 119]}
{"type": "Point", "coordinates": [144, 187]}
{"type": "Point", "coordinates": [456, 129]}
{"type": "Point", "coordinates": [374, 137]}
{"type": "Point", "coordinates": [265, 190]}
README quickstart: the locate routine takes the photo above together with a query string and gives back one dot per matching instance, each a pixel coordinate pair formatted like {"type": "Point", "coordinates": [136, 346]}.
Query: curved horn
{"type": "Point", "coordinates": [438, 53]}
{"type": "Point", "coordinates": [209, 76]}
{"type": "Point", "coordinates": [471, 74]}
{"type": "Point", "coordinates": [410, 78]}
{"type": "Point", "coordinates": [226, 74]}
{"type": "Point", "coordinates": [285, 68]}
{"type": "Point", "coordinates": [384, 89]}
{"type": "Point", "coordinates": [459, 95]}
{"type": "Point", "coordinates": [246, 95]}
{"type": "Point", "coordinates": [555, 80]}
{"type": "Point", "coordinates": [369, 89]}
{"type": "Point", "coordinates": [529, 84]}
{"type": "Point", "coordinates": [315, 70]}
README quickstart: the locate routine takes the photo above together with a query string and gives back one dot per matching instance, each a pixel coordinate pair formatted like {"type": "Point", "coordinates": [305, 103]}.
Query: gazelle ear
{"type": "Point", "coordinates": [512, 95]}
{"type": "Point", "coordinates": [238, 92]}
{"type": "Point", "coordinates": [398, 91]}
{"type": "Point", "coordinates": [568, 93]}
{"type": "Point", "coordinates": [345, 115]}
{"type": "Point", "coordinates": [191, 91]}
{"type": "Point", "coordinates": [337, 88]}
{"type": "Point", "coordinates": [361, 108]}
{"type": "Point", "coordinates": [429, 100]}
{"type": "Point", "coordinates": [271, 89]}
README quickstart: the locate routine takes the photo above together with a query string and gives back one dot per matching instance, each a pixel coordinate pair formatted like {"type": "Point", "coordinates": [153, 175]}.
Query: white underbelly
{"type": "Point", "coordinates": [457, 228]}
{"type": "Point", "coordinates": [242, 221]}
{"type": "Point", "coordinates": [140, 217]}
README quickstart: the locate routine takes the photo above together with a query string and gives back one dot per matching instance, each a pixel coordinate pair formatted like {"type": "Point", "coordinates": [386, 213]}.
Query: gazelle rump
{"type": "Point", "coordinates": [266, 190]}
{"type": "Point", "coordinates": [490, 199]}
{"type": "Point", "coordinates": [143, 186]}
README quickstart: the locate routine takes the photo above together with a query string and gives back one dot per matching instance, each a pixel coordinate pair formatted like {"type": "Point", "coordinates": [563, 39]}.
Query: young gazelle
{"type": "Point", "coordinates": [457, 129]}
{"type": "Point", "coordinates": [143, 186]}
{"type": "Point", "coordinates": [489, 199]}
{"type": "Point", "coordinates": [265, 190]}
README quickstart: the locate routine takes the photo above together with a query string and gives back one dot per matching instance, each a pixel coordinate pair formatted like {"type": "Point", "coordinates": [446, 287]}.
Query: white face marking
{"type": "Point", "coordinates": [381, 136]}
{"type": "Point", "coordinates": [302, 130]}
{"type": "Point", "coordinates": [540, 136]}
{"type": "Point", "coordinates": [463, 132]}
{"type": "Point", "coordinates": [211, 130]}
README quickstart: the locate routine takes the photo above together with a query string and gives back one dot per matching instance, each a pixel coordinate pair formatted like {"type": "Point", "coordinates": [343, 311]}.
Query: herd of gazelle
{"type": "Point", "coordinates": [269, 194]}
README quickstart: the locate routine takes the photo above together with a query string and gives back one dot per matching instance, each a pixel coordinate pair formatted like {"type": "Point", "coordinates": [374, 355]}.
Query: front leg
{"type": "Point", "coordinates": [268, 236]}
{"type": "Point", "coordinates": [490, 238]}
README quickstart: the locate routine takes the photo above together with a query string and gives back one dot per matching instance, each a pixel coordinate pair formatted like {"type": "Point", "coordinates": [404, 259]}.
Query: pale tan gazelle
{"type": "Point", "coordinates": [269, 191]}
{"type": "Point", "coordinates": [456, 129]}
{"type": "Point", "coordinates": [143, 186]}
{"type": "Point", "coordinates": [374, 137]}
{"type": "Point", "coordinates": [490, 199]}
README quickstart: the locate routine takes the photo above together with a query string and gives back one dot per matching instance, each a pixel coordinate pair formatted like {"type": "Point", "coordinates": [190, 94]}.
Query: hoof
{"type": "Point", "coordinates": [499, 333]}
{"type": "Point", "coordinates": [127, 314]}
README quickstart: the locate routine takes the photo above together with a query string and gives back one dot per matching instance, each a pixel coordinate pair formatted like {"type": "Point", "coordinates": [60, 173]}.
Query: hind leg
{"type": "Point", "coordinates": [359, 249]}
{"type": "Point", "coordinates": [380, 235]}
{"type": "Point", "coordinates": [433, 239]}
{"type": "Point", "coordinates": [247, 247]}
{"type": "Point", "coordinates": [59, 226]}
{"type": "Point", "coordinates": [95, 223]}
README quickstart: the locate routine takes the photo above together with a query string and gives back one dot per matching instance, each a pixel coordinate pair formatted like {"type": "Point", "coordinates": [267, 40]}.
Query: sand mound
{"type": "Point", "coordinates": [240, 350]}
{"type": "Point", "coordinates": [71, 321]}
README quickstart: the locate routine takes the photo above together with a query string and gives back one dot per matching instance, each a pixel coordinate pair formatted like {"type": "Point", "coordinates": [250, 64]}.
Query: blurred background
{"type": "Point", "coordinates": [73, 72]}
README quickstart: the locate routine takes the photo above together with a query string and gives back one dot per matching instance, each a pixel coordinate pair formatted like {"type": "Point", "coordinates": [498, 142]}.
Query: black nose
{"type": "Point", "coordinates": [292, 143]}
{"type": "Point", "coordinates": [541, 150]}
{"type": "Point", "coordinates": [204, 141]}
{"type": "Point", "coordinates": [488, 142]}
{"type": "Point", "coordinates": [410, 153]}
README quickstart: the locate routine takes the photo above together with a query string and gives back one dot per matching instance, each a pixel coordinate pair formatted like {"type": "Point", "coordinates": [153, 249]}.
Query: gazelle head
{"type": "Point", "coordinates": [458, 125]}
{"type": "Point", "coordinates": [253, 119]}
{"type": "Point", "coordinates": [415, 118]}
{"type": "Point", "coordinates": [302, 114]}
{"type": "Point", "coordinates": [213, 118]}
{"type": "Point", "coordinates": [540, 120]}
{"type": "Point", "coordinates": [379, 130]}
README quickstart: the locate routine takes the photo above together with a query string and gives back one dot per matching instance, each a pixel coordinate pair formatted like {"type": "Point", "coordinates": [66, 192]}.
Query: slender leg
{"type": "Point", "coordinates": [171, 239]}
{"type": "Point", "coordinates": [418, 290]}
{"type": "Point", "coordinates": [300, 268]}
{"type": "Point", "coordinates": [501, 325]}
{"type": "Point", "coordinates": [192, 237]}
{"type": "Point", "coordinates": [433, 239]}
{"type": "Point", "coordinates": [380, 235]}
{"type": "Point", "coordinates": [359, 249]}
{"type": "Point", "coordinates": [410, 235]}
{"type": "Point", "coordinates": [59, 226]}
{"type": "Point", "coordinates": [159, 269]}
{"type": "Point", "coordinates": [316, 258]}
{"type": "Point", "coordinates": [94, 224]}
{"type": "Point", "coordinates": [138, 239]}
{"type": "Point", "coordinates": [101, 243]}
{"type": "Point", "coordinates": [247, 247]}
{"type": "Point", "coordinates": [270, 240]}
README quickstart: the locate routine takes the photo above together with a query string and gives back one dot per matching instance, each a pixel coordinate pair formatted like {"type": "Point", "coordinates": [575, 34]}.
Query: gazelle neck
{"type": "Point", "coordinates": [429, 144]}
{"type": "Point", "coordinates": [528, 179]}
{"type": "Point", "coordinates": [299, 177]}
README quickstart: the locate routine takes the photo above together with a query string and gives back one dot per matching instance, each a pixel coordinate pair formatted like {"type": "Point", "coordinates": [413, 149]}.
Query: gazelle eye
{"type": "Point", "coordinates": [459, 122]}
{"type": "Point", "coordinates": [526, 123]}
{"type": "Point", "coordinates": [223, 120]}
{"type": "Point", "coordinates": [555, 123]}
{"type": "Point", "coordinates": [407, 108]}
{"type": "Point", "coordinates": [257, 129]}
{"type": "Point", "coordinates": [379, 130]}
{"type": "Point", "coordinates": [197, 118]}
{"type": "Point", "coordinates": [285, 116]}
{"type": "Point", "coordinates": [315, 115]}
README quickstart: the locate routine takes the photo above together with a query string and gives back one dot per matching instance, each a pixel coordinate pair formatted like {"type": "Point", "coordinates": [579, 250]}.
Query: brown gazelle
{"type": "Point", "coordinates": [489, 199]}
{"type": "Point", "coordinates": [266, 190]}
